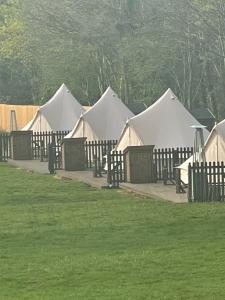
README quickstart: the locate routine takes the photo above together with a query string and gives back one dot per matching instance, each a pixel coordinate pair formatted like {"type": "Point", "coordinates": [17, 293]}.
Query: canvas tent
{"type": "Point", "coordinates": [214, 149]}
{"type": "Point", "coordinates": [215, 145]}
{"type": "Point", "coordinates": [60, 113]}
{"type": "Point", "coordinates": [104, 121]}
{"type": "Point", "coordinates": [165, 124]}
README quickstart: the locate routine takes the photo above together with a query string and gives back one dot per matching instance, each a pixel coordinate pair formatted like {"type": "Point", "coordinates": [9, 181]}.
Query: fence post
{"type": "Point", "coordinates": [165, 175]}
{"type": "Point", "coordinates": [42, 150]}
{"type": "Point", "coordinates": [189, 183]}
{"type": "Point", "coordinates": [1, 158]}
{"type": "Point", "coordinates": [99, 167]}
{"type": "Point", "coordinates": [95, 171]}
{"type": "Point", "coordinates": [176, 157]}
{"type": "Point", "coordinates": [109, 173]}
{"type": "Point", "coordinates": [222, 181]}
{"type": "Point", "coordinates": [177, 173]}
{"type": "Point", "coordinates": [179, 187]}
{"type": "Point", "coordinates": [51, 158]}
{"type": "Point", "coordinates": [176, 160]}
{"type": "Point", "coordinates": [53, 137]}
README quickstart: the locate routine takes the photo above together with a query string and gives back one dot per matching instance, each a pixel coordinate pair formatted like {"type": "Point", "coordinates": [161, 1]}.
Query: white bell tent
{"type": "Point", "coordinates": [165, 124]}
{"type": "Point", "coordinates": [215, 145]}
{"type": "Point", "coordinates": [214, 149]}
{"type": "Point", "coordinates": [60, 113]}
{"type": "Point", "coordinates": [104, 121]}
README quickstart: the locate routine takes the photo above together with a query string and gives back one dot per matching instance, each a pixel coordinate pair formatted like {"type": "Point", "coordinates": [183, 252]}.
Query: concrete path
{"type": "Point", "coordinates": [165, 192]}
{"type": "Point", "coordinates": [83, 176]}
{"type": "Point", "coordinates": [31, 165]}
{"type": "Point", "coordinates": [159, 190]}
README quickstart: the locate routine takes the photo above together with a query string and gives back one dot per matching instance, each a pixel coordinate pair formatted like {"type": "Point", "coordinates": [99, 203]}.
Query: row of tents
{"type": "Point", "coordinates": [165, 124]}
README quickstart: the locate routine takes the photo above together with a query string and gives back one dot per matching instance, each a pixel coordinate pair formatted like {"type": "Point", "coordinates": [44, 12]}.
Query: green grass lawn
{"type": "Point", "coordinates": [65, 240]}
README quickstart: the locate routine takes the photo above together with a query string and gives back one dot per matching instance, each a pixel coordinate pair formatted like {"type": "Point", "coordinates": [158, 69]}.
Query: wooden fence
{"type": "Point", "coordinates": [5, 146]}
{"type": "Point", "coordinates": [54, 157]}
{"type": "Point", "coordinates": [115, 168]}
{"type": "Point", "coordinates": [167, 159]}
{"type": "Point", "coordinates": [98, 150]}
{"type": "Point", "coordinates": [206, 182]}
{"type": "Point", "coordinates": [96, 153]}
{"type": "Point", "coordinates": [42, 140]}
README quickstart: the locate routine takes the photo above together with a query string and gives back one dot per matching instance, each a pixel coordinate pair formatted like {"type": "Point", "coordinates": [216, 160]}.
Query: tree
{"type": "Point", "coordinates": [139, 47]}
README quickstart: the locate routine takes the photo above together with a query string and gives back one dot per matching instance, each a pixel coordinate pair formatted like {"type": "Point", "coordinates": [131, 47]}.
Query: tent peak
{"type": "Point", "coordinates": [165, 98]}
{"type": "Point", "coordinates": [110, 90]}
{"type": "Point", "coordinates": [61, 112]}
{"type": "Point", "coordinates": [105, 120]}
{"type": "Point", "coordinates": [108, 96]}
{"type": "Point", "coordinates": [169, 93]}
{"type": "Point", "coordinates": [64, 87]}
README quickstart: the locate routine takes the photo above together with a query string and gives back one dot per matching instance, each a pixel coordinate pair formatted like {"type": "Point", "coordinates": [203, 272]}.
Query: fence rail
{"type": "Point", "coordinates": [5, 147]}
{"type": "Point", "coordinates": [115, 168]}
{"type": "Point", "coordinates": [96, 153]}
{"type": "Point", "coordinates": [42, 140]}
{"type": "Point", "coordinates": [98, 150]}
{"type": "Point", "coordinates": [206, 182]}
{"type": "Point", "coordinates": [54, 157]}
{"type": "Point", "coordinates": [167, 159]}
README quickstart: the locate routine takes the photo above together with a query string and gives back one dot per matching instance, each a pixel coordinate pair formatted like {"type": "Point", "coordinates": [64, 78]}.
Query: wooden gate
{"type": "Point", "coordinates": [116, 170]}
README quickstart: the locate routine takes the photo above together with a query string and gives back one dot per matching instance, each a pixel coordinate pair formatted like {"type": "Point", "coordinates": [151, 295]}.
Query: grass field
{"type": "Point", "coordinates": [65, 240]}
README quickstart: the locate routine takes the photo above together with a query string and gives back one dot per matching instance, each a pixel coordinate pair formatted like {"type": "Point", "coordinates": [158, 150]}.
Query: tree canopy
{"type": "Point", "coordinates": [139, 47]}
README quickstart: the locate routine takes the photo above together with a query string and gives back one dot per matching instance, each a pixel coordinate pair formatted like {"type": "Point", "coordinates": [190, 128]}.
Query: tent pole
{"type": "Point", "coordinates": [83, 126]}
{"type": "Point", "coordinates": [217, 152]}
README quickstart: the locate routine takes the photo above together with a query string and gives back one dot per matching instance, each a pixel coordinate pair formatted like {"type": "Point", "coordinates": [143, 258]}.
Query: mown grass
{"type": "Point", "coordinates": [65, 240]}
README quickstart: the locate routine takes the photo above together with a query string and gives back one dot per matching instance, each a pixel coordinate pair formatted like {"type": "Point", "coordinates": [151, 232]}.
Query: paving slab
{"type": "Point", "coordinates": [83, 176]}
{"type": "Point", "coordinates": [165, 192]}
{"type": "Point", "coordinates": [31, 165]}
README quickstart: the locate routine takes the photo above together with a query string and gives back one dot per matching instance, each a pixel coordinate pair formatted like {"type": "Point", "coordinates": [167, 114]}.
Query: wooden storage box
{"type": "Point", "coordinates": [139, 165]}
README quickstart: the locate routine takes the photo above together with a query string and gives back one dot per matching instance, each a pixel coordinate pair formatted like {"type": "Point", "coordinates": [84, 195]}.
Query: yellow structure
{"type": "Point", "coordinates": [23, 113]}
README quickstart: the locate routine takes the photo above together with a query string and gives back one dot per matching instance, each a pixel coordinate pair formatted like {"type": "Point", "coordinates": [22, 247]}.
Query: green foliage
{"type": "Point", "coordinates": [15, 61]}
{"type": "Point", "coordinates": [139, 47]}
{"type": "Point", "coordinates": [11, 30]}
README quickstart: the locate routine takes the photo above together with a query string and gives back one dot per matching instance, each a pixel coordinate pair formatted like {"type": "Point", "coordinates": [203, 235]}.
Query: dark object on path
{"type": "Point", "coordinates": [51, 158]}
